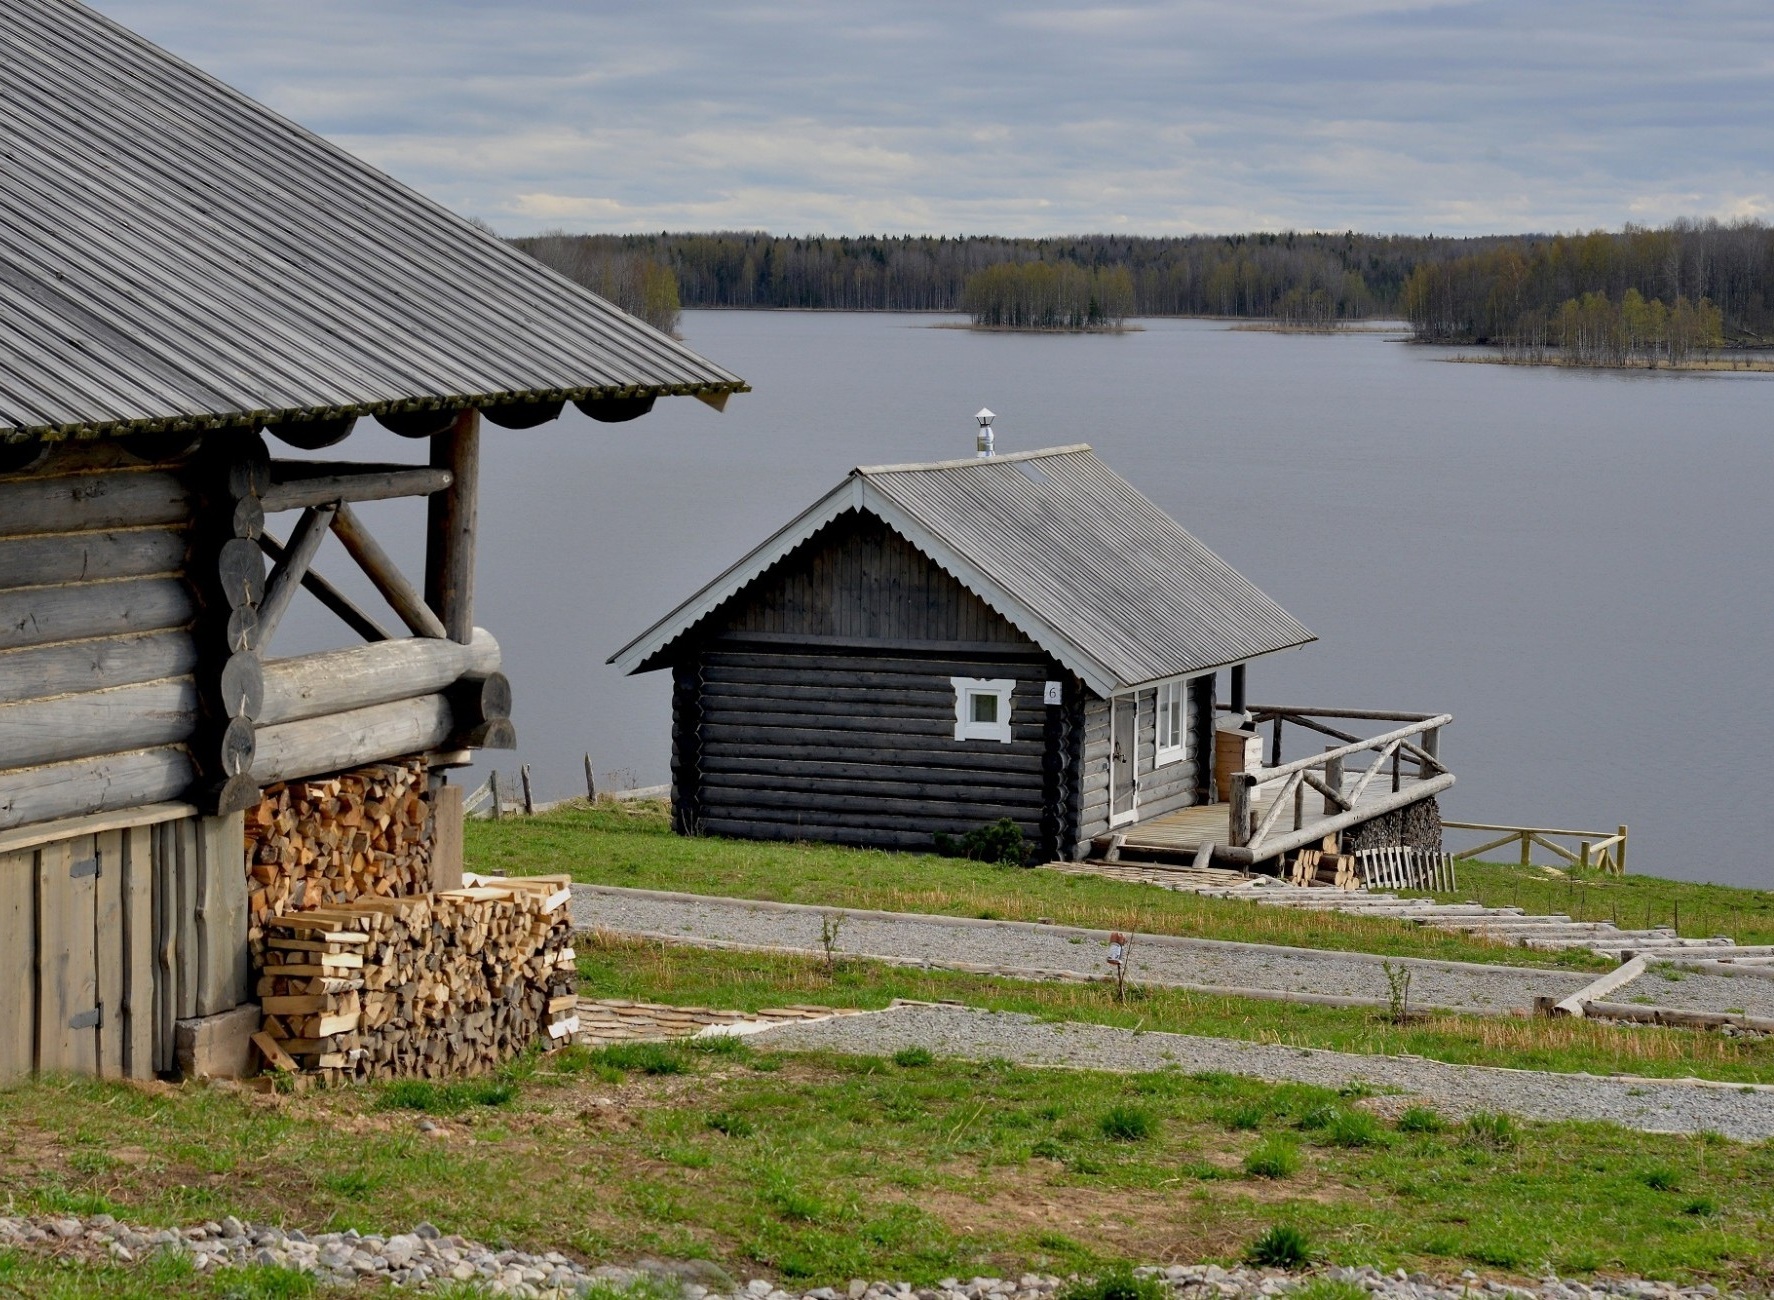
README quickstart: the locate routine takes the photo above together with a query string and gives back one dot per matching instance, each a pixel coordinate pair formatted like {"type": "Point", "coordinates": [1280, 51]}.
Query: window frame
{"type": "Point", "coordinates": [966, 688]}
{"type": "Point", "coordinates": [1173, 693]}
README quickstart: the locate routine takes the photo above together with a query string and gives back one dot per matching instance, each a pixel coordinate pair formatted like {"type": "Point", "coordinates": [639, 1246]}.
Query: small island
{"type": "Point", "coordinates": [1049, 297]}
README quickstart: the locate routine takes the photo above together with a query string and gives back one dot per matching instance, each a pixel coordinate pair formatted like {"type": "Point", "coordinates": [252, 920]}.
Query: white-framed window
{"type": "Point", "coordinates": [1173, 722]}
{"type": "Point", "coordinates": [982, 707]}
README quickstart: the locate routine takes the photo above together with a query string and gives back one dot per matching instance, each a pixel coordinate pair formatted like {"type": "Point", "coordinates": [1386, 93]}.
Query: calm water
{"type": "Point", "coordinates": [1577, 566]}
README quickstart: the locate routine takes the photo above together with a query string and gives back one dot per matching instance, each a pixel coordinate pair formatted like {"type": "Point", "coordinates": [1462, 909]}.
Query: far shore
{"type": "Point", "coordinates": [1758, 364]}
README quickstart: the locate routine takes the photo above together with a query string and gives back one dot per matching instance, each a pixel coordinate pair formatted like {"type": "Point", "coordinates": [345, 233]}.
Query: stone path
{"type": "Point", "coordinates": [1744, 1112]}
{"type": "Point", "coordinates": [1031, 950]}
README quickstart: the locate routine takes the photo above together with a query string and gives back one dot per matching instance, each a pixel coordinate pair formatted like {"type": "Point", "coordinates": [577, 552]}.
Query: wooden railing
{"type": "Point", "coordinates": [1603, 850]}
{"type": "Point", "coordinates": [1325, 774]}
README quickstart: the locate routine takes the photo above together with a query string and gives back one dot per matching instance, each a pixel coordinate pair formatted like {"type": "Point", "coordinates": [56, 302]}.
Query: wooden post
{"type": "Point", "coordinates": [389, 580]}
{"type": "Point", "coordinates": [1238, 827]}
{"type": "Point", "coordinates": [1395, 771]}
{"type": "Point", "coordinates": [1583, 855]}
{"type": "Point", "coordinates": [523, 773]}
{"type": "Point", "coordinates": [1620, 855]}
{"type": "Point", "coordinates": [1527, 849]}
{"type": "Point", "coordinates": [449, 554]}
{"type": "Point", "coordinates": [493, 781]}
{"type": "Point", "coordinates": [1299, 802]}
{"type": "Point", "coordinates": [1275, 744]}
{"type": "Point", "coordinates": [1432, 747]}
{"type": "Point", "coordinates": [1238, 688]}
{"type": "Point", "coordinates": [446, 837]}
{"type": "Point", "coordinates": [590, 782]}
{"type": "Point", "coordinates": [1333, 777]}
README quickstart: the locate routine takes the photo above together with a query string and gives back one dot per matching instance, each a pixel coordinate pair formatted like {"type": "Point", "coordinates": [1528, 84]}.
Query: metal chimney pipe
{"type": "Point", "coordinates": [984, 442]}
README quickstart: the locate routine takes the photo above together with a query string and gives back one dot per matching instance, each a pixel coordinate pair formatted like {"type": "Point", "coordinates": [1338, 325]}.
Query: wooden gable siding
{"type": "Point", "coordinates": [858, 580]}
{"type": "Point", "coordinates": [860, 748]}
{"type": "Point", "coordinates": [97, 697]}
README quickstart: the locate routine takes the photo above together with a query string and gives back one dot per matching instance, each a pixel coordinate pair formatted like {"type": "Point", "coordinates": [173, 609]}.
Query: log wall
{"type": "Point", "coordinates": [860, 748]}
{"type": "Point", "coordinates": [98, 700]}
{"type": "Point", "coordinates": [1161, 789]}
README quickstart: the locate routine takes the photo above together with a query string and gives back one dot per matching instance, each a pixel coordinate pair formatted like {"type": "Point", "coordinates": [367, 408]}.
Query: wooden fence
{"type": "Point", "coordinates": [1603, 850]}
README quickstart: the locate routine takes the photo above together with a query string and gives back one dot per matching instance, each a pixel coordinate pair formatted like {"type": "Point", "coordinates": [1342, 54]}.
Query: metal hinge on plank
{"type": "Point", "coordinates": [88, 1019]}
{"type": "Point", "coordinates": [84, 867]}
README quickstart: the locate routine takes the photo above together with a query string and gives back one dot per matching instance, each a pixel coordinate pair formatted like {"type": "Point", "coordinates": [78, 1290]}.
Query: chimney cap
{"type": "Point", "coordinates": [985, 417]}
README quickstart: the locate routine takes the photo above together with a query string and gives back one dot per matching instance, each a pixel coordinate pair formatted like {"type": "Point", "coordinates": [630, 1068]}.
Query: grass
{"type": "Point", "coordinates": [817, 1168]}
{"type": "Point", "coordinates": [621, 968]}
{"type": "Point", "coordinates": [632, 845]}
{"type": "Point", "coordinates": [1634, 902]}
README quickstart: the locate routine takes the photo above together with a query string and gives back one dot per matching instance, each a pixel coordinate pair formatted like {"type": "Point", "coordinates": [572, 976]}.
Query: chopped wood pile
{"type": "Point", "coordinates": [422, 987]}
{"type": "Point", "coordinates": [364, 833]}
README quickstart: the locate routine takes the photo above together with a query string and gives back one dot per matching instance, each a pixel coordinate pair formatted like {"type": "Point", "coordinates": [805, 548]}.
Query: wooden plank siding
{"type": "Point", "coordinates": [1161, 789]}
{"type": "Point", "coordinates": [97, 701]}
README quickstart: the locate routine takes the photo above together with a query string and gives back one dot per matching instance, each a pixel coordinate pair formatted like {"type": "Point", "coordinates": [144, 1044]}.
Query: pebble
{"type": "Point", "coordinates": [416, 1260]}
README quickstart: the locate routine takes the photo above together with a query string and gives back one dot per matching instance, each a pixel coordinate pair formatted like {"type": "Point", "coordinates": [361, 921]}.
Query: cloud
{"type": "Point", "coordinates": [845, 117]}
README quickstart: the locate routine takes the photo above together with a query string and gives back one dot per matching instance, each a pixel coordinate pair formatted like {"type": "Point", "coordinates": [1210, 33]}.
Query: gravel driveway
{"type": "Point", "coordinates": [1063, 952]}
{"type": "Point", "coordinates": [1650, 1105]}
{"type": "Point", "coordinates": [1751, 995]}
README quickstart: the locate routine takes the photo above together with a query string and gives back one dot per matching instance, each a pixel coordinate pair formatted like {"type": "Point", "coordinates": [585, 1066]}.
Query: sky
{"type": "Point", "coordinates": [1018, 117]}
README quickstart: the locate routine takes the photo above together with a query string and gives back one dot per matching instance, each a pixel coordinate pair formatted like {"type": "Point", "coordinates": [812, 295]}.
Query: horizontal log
{"type": "Point", "coordinates": [768, 768]}
{"type": "Point", "coordinates": [297, 485]}
{"type": "Point", "coordinates": [1265, 712]}
{"type": "Point", "coordinates": [31, 616]}
{"type": "Point", "coordinates": [92, 502]}
{"type": "Point", "coordinates": [1026, 796]}
{"type": "Point", "coordinates": [53, 558]}
{"type": "Point", "coordinates": [1018, 647]}
{"type": "Point", "coordinates": [868, 743]}
{"type": "Point", "coordinates": [876, 837]}
{"type": "Point", "coordinates": [336, 681]}
{"type": "Point", "coordinates": [92, 785]}
{"type": "Point", "coordinates": [845, 665]}
{"type": "Point", "coordinates": [869, 678]}
{"type": "Point", "coordinates": [839, 747]}
{"type": "Point", "coordinates": [924, 705]}
{"type": "Point", "coordinates": [334, 741]}
{"type": "Point", "coordinates": [834, 826]}
{"type": "Point", "coordinates": [152, 714]}
{"type": "Point", "coordinates": [481, 699]}
{"type": "Point", "coordinates": [934, 730]}
{"type": "Point", "coordinates": [941, 813]}
{"type": "Point", "coordinates": [95, 665]}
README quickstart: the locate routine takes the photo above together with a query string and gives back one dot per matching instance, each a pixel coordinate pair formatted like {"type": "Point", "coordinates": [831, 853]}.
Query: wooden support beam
{"type": "Point", "coordinates": [291, 568]}
{"type": "Point", "coordinates": [297, 485]}
{"type": "Point", "coordinates": [336, 741]}
{"type": "Point", "coordinates": [380, 569]}
{"type": "Point", "coordinates": [330, 596]}
{"type": "Point", "coordinates": [449, 555]}
{"type": "Point", "coordinates": [335, 681]}
{"type": "Point", "coordinates": [94, 785]}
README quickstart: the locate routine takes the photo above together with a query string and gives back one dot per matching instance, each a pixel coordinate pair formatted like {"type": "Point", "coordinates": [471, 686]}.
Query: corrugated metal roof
{"type": "Point", "coordinates": [172, 252]}
{"type": "Point", "coordinates": [1060, 545]}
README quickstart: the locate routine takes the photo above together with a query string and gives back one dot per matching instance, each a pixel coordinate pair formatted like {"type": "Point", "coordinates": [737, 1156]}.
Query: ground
{"type": "Point", "coordinates": [816, 1167]}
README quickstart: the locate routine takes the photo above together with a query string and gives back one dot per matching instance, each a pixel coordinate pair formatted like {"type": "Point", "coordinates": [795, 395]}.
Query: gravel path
{"type": "Point", "coordinates": [1653, 1106]}
{"type": "Point", "coordinates": [1064, 952]}
{"type": "Point", "coordinates": [1750, 995]}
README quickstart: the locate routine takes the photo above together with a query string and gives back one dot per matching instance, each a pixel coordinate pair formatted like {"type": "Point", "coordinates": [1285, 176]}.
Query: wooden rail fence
{"type": "Point", "coordinates": [1605, 851]}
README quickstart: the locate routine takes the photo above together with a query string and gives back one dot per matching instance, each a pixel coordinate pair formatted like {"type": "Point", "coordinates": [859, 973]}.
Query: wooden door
{"type": "Point", "coordinates": [1123, 747]}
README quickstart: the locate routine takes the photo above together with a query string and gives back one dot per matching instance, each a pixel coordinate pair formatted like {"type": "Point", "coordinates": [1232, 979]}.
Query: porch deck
{"type": "Point", "coordinates": [1276, 807]}
{"type": "Point", "coordinates": [1178, 836]}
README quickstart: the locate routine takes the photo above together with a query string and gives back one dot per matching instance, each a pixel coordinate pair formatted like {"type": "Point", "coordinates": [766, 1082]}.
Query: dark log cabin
{"type": "Point", "coordinates": [183, 276]}
{"type": "Point", "coordinates": [931, 648]}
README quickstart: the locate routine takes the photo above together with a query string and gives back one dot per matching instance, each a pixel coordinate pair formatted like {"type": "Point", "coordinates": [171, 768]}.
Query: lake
{"type": "Point", "coordinates": [1575, 564]}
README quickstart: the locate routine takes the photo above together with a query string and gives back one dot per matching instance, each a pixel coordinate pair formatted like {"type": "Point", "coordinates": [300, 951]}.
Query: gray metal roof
{"type": "Point", "coordinates": [1059, 544]}
{"type": "Point", "coordinates": [174, 254]}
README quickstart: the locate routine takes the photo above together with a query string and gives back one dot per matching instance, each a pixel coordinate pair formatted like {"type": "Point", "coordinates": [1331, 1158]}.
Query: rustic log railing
{"type": "Point", "coordinates": [1249, 839]}
{"type": "Point", "coordinates": [1603, 850]}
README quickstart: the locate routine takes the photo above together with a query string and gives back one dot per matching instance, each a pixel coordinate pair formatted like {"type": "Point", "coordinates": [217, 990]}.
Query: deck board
{"type": "Point", "coordinates": [1187, 829]}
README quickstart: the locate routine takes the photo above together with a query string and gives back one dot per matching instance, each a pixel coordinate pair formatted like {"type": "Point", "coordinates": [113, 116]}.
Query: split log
{"type": "Point", "coordinates": [339, 680]}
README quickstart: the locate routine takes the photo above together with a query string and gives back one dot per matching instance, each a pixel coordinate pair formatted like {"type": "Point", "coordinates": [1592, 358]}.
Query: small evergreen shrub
{"type": "Point", "coordinates": [998, 842]}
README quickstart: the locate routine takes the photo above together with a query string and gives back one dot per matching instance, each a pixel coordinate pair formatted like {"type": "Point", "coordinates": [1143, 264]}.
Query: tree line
{"type": "Point", "coordinates": [1048, 296]}
{"type": "Point", "coordinates": [1491, 289]}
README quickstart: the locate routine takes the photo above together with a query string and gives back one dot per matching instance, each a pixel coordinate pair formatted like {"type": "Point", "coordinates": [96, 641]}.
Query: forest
{"type": "Point", "coordinates": [1510, 290]}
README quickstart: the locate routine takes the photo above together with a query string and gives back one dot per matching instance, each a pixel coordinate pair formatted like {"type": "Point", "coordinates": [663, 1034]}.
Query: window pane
{"type": "Point", "coordinates": [985, 707]}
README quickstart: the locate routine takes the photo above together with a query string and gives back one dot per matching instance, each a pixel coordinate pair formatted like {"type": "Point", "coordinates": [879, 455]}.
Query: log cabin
{"type": "Point", "coordinates": [931, 648]}
{"type": "Point", "coordinates": [188, 280]}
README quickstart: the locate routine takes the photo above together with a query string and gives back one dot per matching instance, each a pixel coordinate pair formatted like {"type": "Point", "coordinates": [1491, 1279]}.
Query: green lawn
{"type": "Point", "coordinates": [750, 981]}
{"type": "Point", "coordinates": [631, 844]}
{"type": "Point", "coordinates": [821, 1168]}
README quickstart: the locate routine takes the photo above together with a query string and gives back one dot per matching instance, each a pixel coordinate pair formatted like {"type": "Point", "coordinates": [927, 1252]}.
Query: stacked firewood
{"type": "Point", "coordinates": [363, 833]}
{"type": "Point", "coordinates": [424, 987]}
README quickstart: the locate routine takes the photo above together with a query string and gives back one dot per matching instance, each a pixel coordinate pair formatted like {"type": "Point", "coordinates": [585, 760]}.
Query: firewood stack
{"type": "Point", "coordinates": [364, 833]}
{"type": "Point", "coordinates": [422, 987]}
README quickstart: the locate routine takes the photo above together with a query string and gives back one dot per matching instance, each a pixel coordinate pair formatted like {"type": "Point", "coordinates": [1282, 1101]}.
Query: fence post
{"type": "Point", "coordinates": [1275, 744]}
{"type": "Point", "coordinates": [590, 782]}
{"type": "Point", "coordinates": [1238, 816]}
{"type": "Point", "coordinates": [1583, 855]}
{"type": "Point", "coordinates": [1620, 856]}
{"type": "Point", "coordinates": [1333, 777]}
{"type": "Point", "coordinates": [493, 781]}
{"type": "Point", "coordinates": [1432, 747]}
{"type": "Point", "coordinates": [523, 773]}
{"type": "Point", "coordinates": [1527, 849]}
